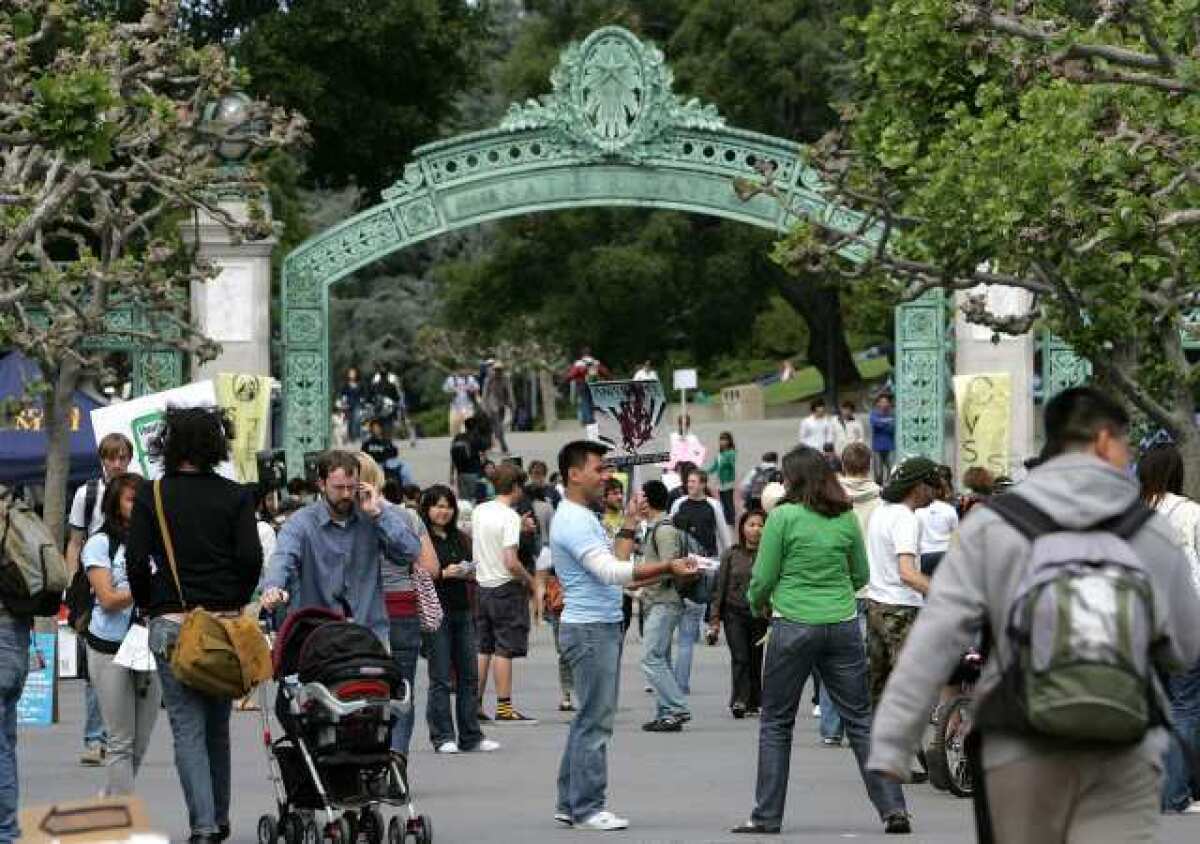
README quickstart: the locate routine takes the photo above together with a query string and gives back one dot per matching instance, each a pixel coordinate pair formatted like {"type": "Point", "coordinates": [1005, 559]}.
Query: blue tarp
{"type": "Point", "coordinates": [23, 445]}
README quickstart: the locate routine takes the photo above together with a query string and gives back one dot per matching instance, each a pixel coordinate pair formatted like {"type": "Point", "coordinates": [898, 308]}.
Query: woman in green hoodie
{"type": "Point", "coordinates": [811, 560]}
{"type": "Point", "coordinates": [724, 468]}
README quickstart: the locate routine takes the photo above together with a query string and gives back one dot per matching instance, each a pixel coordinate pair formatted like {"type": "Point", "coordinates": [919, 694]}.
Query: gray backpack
{"type": "Point", "coordinates": [1081, 629]}
{"type": "Point", "coordinates": [33, 573]}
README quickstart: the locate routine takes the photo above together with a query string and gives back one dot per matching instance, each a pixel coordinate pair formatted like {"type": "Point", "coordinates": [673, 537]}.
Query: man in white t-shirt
{"type": "Point", "coordinates": [87, 517]}
{"type": "Point", "coordinates": [504, 590]}
{"type": "Point", "coordinates": [897, 588]}
{"type": "Point", "coordinates": [818, 429]}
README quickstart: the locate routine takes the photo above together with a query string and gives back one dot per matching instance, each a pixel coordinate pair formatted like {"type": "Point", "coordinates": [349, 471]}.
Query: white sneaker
{"type": "Point", "coordinates": [447, 747]}
{"type": "Point", "coordinates": [604, 821]}
{"type": "Point", "coordinates": [485, 746]}
{"type": "Point", "coordinates": [1193, 809]}
{"type": "Point", "coordinates": [816, 712]}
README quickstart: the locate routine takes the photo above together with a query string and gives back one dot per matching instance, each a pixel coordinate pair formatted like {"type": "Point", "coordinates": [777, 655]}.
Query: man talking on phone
{"type": "Point", "coordinates": [328, 553]}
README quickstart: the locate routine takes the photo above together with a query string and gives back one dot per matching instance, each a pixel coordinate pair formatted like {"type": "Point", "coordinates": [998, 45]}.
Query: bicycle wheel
{"type": "Point", "coordinates": [951, 745]}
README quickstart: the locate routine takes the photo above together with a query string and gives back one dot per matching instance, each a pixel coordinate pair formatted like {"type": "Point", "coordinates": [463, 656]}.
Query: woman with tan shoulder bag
{"type": "Point", "coordinates": [201, 535]}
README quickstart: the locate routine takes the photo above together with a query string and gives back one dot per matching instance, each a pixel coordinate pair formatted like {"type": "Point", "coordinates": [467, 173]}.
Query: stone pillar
{"type": "Point", "coordinates": [978, 350]}
{"type": "Point", "coordinates": [234, 309]}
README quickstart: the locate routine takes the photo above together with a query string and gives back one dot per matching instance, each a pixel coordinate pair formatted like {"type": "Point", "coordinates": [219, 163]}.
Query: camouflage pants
{"type": "Point", "coordinates": [887, 628]}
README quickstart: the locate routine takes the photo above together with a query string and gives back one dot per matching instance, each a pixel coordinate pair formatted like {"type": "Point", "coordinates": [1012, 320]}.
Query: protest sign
{"type": "Point", "coordinates": [35, 708]}
{"type": "Point", "coordinates": [141, 420]}
{"type": "Point", "coordinates": [247, 400]}
{"type": "Point", "coordinates": [984, 404]}
{"type": "Point", "coordinates": [629, 420]}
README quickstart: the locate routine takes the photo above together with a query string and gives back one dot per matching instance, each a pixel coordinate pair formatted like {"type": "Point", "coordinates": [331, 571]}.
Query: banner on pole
{"type": "Point", "coordinates": [629, 420]}
{"type": "Point", "coordinates": [35, 708]}
{"type": "Point", "coordinates": [247, 400]}
{"type": "Point", "coordinates": [984, 404]}
{"type": "Point", "coordinates": [141, 420]}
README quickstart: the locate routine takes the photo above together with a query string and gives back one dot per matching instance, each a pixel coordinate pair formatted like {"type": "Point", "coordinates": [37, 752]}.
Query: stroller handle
{"type": "Point", "coordinates": [342, 709]}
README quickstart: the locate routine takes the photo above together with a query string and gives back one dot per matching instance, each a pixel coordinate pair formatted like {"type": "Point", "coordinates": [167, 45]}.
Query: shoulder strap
{"type": "Point", "coordinates": [1130, 522]}
{"type": "Point", "coordinates": [91, 493]}
{"type": "Point", "coordinates": [166, 537]}
{"type": "Point", "coordinates": [1029, 519]}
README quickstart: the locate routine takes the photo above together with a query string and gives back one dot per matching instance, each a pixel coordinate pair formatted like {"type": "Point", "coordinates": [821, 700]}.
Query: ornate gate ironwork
{"type": "Point", "coordinates": [611, 133]}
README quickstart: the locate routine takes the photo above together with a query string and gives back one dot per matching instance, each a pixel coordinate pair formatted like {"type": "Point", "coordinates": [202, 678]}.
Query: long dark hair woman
{"type": "Point", "coordinates": [129, 699]}
{"type": "Point", "coordinates": [452, 647]}
{"type": "Point", "coordinates": [811, 561]}
{"type": "Point", "coordinates": [1160, 472]}
{"type": "Point", "coordinates": [218, 559]}
{"type": "Point", "coordinates": [743, 629]}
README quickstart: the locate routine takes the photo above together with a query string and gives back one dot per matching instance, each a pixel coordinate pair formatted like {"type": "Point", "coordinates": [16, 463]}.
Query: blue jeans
{"type": "Point", "coordinates": [594, 654]}
{"type": "Point", "coordinates": [14, 667]}
{"type": "Point", "coordinates": [453, 645]}
{"type": "Point", "coordinates": [200, 727]}
{"type": "Point", "coordinates": [831, 722]}
{"type": "Point", "coordinates": [689, 632]}
{"type": "Point", "coordinates": [836, 650]}
{"type": "Point", "coordinates": [405, 640]}
{"type": "Point", "coordinates": [1184, 690]}
{"type": "Point", "coordinates": [656, 640]}
{"type": "Point", "coordinates": [93, 725]}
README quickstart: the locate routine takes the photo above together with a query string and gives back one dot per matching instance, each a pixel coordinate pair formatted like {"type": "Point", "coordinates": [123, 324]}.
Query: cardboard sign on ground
{"type": "Point", "coordinates": [112, 819]}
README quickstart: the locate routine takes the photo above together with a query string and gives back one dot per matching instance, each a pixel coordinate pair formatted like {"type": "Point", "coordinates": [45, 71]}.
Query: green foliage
{"type": "Point", "coordinates": [375, 78]}
{"type": "Point", "coordinates": [69, 110]}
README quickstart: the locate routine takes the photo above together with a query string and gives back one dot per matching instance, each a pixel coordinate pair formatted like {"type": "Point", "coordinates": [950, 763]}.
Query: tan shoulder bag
{"type": "Point", "coordinates": [222, 657]}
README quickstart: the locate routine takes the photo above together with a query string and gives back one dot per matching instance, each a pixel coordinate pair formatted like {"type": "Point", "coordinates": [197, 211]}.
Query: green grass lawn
{"type": "Point", "coordinates": [808, 381]}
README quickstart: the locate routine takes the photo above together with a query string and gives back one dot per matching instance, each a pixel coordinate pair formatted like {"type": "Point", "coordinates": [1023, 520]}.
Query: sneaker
{"type": "Point", "coordinates": [447, 747]}
{"type": "Point", "coordinates": [92, 756]}
{"type": "Point", "coordinates": [831, 741]}
{"type": "Point", "coordinates": [738, 710]}
{"type": "Point", "coordinates": [485, 746]}
{"type": "Point", "coordinates": [753, 712]}
{"type": "Point", "coordinates": [514, 717]}
{"type": "Point", "coordinates": [1193, 809]}
{"type": "Point", "coordinates": [816, 711]}
{"type": "Point", "coordinates": [897, 823]}
{"type": "Point", "coordinates": [563, 818]}
{"type": "Point", "coordinates": [566, 705]}
{"type": "Point", "coordinates": [602, 822]}
{"type": "Point", "coordinates": [683, 717]}
{"type": "Point", "coordinates": [666, 724]}
{"type": "Point", "coordinates": [482, 716]}
{"type": "Point", "coordinates": [648, 690]}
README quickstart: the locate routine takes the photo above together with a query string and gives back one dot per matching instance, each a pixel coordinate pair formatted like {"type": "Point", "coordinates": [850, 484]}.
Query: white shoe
{"type": "Point", "coordinates": [816, 712]}
{"type": "Point", "coordinates": [485, 746]}
{"type": "Point", "coordinates": [563, 818]}
{"type": "Point", "coordinates": [1193, 809]}
{"type": "Point", "coordinates": [604, 821]}
{"type": "Point", "coordinates": [447, 747]}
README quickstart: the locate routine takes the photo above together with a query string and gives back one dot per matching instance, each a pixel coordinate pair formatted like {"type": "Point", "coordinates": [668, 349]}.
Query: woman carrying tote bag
{"type": "Point", "coordinates": [218, 559]}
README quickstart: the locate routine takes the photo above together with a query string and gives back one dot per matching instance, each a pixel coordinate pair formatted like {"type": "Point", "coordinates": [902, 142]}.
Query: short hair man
{"type": "Point", "coordinates": [592, 573]}
{"type": "Point", "coordinates": [329, 550]}
{"type": "Point", "coordinates": [504, 589]}
{"type": "Point", "coordinates": [818, 428]}
{"type": "Point", "coordinates": [897, 588]}
{"type": "Point", "coordinates": [86, 517]}
{"type": "Point", "coordinates": [1043, 788]}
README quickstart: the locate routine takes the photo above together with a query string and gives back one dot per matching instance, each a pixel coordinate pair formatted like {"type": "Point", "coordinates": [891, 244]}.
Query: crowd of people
{"type": "Point", "coordinates": [809, 566]}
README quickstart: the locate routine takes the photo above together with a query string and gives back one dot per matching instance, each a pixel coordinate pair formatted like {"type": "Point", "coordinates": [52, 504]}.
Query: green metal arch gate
{"type": "Point", "coordinates": [612, 133]}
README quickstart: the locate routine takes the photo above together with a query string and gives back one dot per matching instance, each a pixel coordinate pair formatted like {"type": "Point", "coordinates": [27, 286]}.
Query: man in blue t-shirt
{"type": "Point", "coordinates": [591, 573]}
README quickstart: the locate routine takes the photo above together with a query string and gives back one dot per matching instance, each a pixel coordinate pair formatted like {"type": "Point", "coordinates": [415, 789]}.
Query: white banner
{"type": "Point", "coordinates": [629, 421]}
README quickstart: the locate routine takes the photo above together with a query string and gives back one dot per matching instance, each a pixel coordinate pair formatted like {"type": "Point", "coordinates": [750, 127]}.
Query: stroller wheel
{"type": "Point", "coordinates": [340, 832]}
{"type": "Point", "coordinates": [291, 829]}
{"type": "Point", "coordinates": [421, 829]}
{"type": "Point", "coordinates": [371, 825]}
{"type": "Point", "coordinates": [395, 832]}
{"type": "Point", "coordinates": [267, 833]}
{"type": "Point", "coordinates": [312, 835]}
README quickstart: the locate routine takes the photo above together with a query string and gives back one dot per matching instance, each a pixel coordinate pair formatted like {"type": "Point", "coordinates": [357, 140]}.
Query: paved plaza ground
{"type": "Point", "coordinates": [688, 787]}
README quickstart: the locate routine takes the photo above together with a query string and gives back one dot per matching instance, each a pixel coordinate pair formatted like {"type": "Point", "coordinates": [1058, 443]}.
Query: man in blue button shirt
{"type": "Point", "coordinates": [591, 573]}
{"type": "Point", "coordinates": [331, 549]}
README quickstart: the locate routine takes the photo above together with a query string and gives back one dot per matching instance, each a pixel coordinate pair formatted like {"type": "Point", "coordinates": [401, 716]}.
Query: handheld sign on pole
{"type": "Point", "coordinates": [685, 379]}
{"type": "Point", "coordinates": [629, 421]}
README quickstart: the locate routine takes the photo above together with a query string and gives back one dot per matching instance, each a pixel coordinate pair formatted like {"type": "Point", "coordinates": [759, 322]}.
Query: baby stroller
{"type": "Point", "coordinates": [338, 694]}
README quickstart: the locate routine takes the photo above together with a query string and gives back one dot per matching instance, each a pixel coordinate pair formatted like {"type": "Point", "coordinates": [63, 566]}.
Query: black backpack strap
{"type": "Point", "coordinates": [1029, 519]}
{"type": "Point", "coordinates": [1126, 524]}
{"type": "Point", "coordinates": [91, 493]}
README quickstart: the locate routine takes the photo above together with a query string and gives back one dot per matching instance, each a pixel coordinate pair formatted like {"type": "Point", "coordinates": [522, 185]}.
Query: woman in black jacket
{"type": "Point", "coordinates": [218, 559]}
{"type": "Point", "coordinates": [743, 630]}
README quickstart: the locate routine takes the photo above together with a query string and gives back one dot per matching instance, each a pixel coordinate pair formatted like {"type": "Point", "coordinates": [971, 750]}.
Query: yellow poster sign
{"type": "Point", "coordinates": [984, 404]}
{"type": "Point", "coordinates": [247, 400]}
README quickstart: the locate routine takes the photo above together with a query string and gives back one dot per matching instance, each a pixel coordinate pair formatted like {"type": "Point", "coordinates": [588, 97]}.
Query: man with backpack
{"type": "Point", "coordinates": [756, 480]}
{"type": "Point", "coordinates": [1083, 597]}
{"type": "Point", "coordinates": [663, 609]}
{"type": "Point", "coordinates": [85, 518]}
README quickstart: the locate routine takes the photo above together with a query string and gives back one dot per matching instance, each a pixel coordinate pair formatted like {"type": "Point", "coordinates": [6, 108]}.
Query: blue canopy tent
{"type": "Point", "coordinates": [23, 443]}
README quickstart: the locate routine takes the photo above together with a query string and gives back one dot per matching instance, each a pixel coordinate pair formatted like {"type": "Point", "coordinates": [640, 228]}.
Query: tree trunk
{"type": "Point", "coordinates": [1188, 441]}
{"type": "Point", "coordinates": [549, 399]}
{"type": "Point", "coordinates": [58, 447]}
{"type": "Point", "coordinates": [821, 308]}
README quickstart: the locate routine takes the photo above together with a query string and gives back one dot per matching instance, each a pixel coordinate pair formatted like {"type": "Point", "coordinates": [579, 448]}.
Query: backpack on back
{"type": "Point", "coordinates": [80, 598]}
{"type": "Point", "coordinates": [699, 588]}
{"type": "Point", "coordinates": [762, 476]}
{"type": "Point", "coordinates": [33, 573]}
{"type": "Point", "coordinates": [1080, 628]}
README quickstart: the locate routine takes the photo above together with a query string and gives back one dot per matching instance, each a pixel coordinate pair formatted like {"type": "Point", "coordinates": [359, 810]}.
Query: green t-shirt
{"type": "Point", "coordinates": [809, 566]}
{"type": "Point", "coordinates": [662, 543]}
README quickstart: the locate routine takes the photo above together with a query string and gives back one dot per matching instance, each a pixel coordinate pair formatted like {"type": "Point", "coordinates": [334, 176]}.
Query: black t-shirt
{"type": "Point", "coordinates": [465, 456]}
{"type": "Point", "coordinates": [698, 519]}
{"type": "Point", "coordinates": [381, 449]}
{"type": "Point", "coordinates": [453, 548]}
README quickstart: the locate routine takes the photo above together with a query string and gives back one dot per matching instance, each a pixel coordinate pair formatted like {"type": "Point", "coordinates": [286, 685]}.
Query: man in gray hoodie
{"type": "Point", "coordinates": [1039, 788]}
